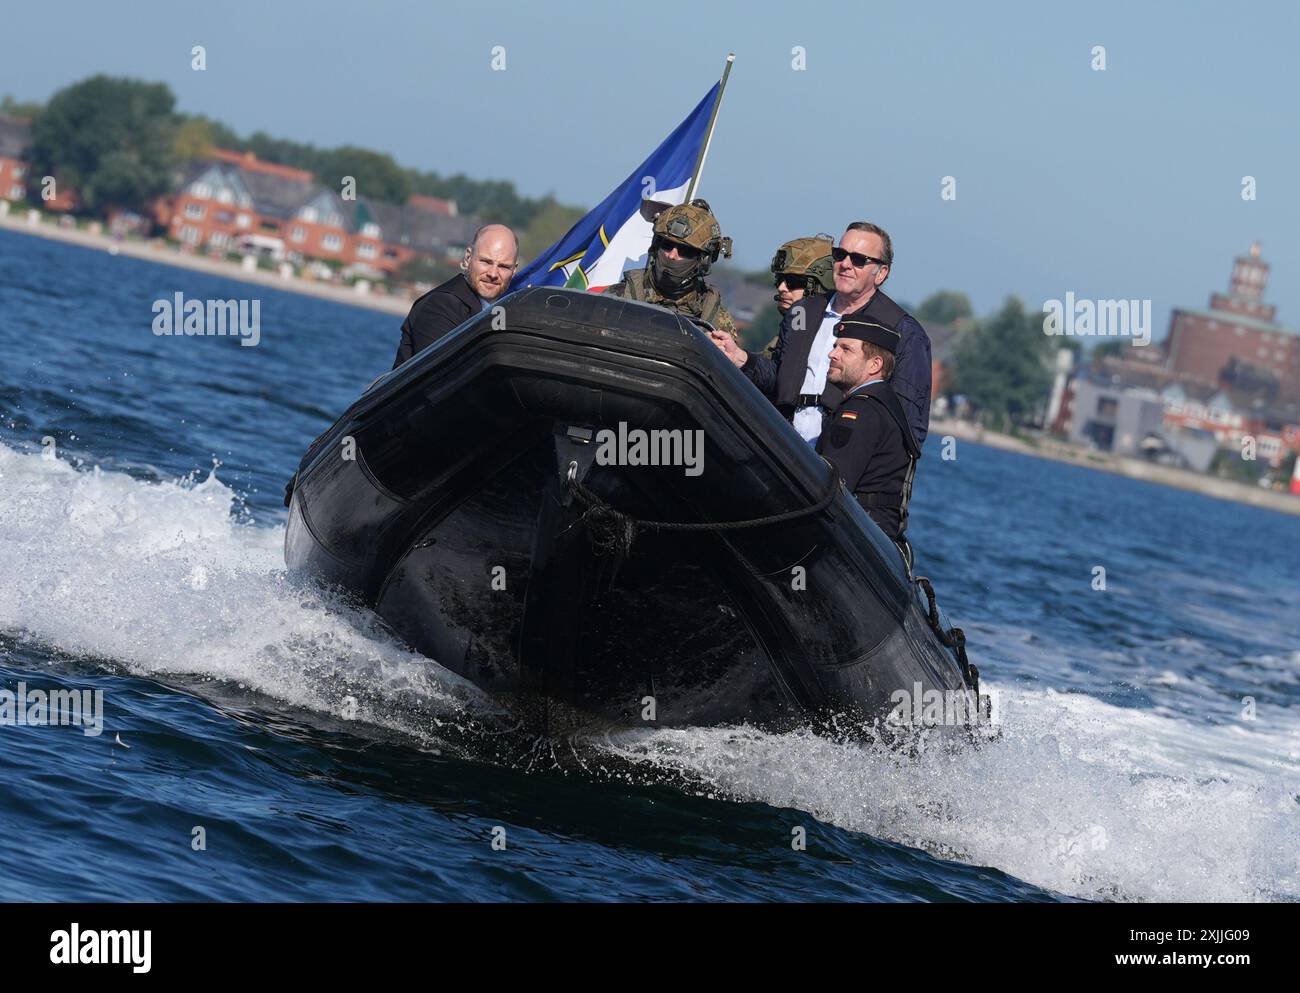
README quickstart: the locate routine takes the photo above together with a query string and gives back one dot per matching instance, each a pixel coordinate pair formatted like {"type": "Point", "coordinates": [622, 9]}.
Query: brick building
{"type": "Point", "coordinates": [15, 136]}
{"type": "Point", "coordinates": [15, 170]}
{"type": "Point", "coordinates": [230, 201]}
{"type": "Point", "coordinates": [1238, 329]}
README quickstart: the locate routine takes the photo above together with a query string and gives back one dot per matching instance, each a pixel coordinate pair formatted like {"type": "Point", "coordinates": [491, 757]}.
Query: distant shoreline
{"type": "Point", "coordinates": [1182, 479]}
{"type": "Point", "coordinates": [1045, 448]}
{"type": "Point", "coordinates": [163, 255]}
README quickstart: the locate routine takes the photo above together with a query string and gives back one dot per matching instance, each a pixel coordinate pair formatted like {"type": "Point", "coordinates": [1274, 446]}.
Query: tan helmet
{"type": "Point", "coordinates": [693, 224]}
{"type": "Point", "coordinates": [809, 257]}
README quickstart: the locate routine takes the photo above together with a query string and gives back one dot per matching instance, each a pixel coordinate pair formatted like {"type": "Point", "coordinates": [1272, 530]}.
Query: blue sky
{"type": "Point", "coordinates": [1121, 183]}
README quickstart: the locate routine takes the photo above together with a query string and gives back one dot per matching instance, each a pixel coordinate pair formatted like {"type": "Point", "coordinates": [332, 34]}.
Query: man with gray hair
{"type": "Point", "coordinates": [485, 273]}
{"type": "Point", "coordinates": [794, 375]}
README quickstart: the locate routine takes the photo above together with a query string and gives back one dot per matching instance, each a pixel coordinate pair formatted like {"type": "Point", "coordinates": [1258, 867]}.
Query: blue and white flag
{"type": "Point", "coordinates": [616, 235]}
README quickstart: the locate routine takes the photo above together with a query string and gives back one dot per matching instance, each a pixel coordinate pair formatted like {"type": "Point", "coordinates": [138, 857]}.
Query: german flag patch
{"type": "Point", "coordinates": [850, 415]}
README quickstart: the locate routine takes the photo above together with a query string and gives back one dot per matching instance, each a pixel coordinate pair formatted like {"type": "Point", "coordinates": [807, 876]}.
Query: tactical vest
{"type": "Point", "coordinates": [884, 394]}
{"type": "Point", "coordinates": [798, 346]}
{"type": "Point", "coordinates": [705, 305]}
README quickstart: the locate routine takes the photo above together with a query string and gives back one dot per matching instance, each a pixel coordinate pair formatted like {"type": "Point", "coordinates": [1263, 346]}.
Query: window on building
{"type": "Point", "coordinates": [1107, 406]}
{"type": "Point", "coordinates": [370, 230]}
{"type": "Point", "coordinates": [333, 221]}
{"type": "Point", "coordinates": [242, 220]}
{"type": "Point", "coordinates": [201, 190]}
{"type": "Point", "coordinates": [1102, 435]}
{"type": "Point", "coordinates": [224, 216]}
{"type": "Point", "coordinates": [366, 250]}
{"type": "Point", "coordinates": [195, 211]}
{"type": "Point", "coordinates": [20, 171]}
{"type": "Point", "coordinates": [299, 233]}
{"type": "Point", "coordinates": [190, 234]}
{"type": "Point", "coordinates": [219, 239]}
{"type": "Point", "coordinates": [331, 242]}
{"type": "Point", "coordinates": [17, 192]}
{"type": "Point", "coordinates": [308, 214]}
{"type": "Point", "coordinates": [225, 196]}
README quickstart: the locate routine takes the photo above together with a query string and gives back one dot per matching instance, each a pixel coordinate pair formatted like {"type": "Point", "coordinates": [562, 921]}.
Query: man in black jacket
{"type": "Point", "coordinates": [868, 438]}
{"type": "Point", "coordinates": [485, 273]}
{"type": "Point", "coordinates": [794, 376]}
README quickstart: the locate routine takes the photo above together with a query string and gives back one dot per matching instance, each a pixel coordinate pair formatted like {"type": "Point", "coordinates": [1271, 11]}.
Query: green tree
{"type": "Point", "coordinates": [422, 269]}
{"type": "Point", "coordinates": [764, 327]}
{"type": "Point", "coordinates": [25, 109]}
{"type": "Point", "coordinates": [377, 175]}
{"type": "Point", "coordinates": [493, 200]}
{"type": "Point", "coordinates": [548, 226]}
{"type": "Point", "coordinates": [1286, 470]}
{"type": "Point", "coordinates": [296, 154]}
{"type": "Point", "coordinates": [1110, 348]}
{"type": "Point", "coordinates": [1228, 464]}
{"type": "Point", "coordinates": [110, 139]}
{"type": "Point", "coordinates": [1001, 363]}
{"type": "Point", "coordinates": [192, 139]}
{"type": "Point", "coordinates": [944, 307]}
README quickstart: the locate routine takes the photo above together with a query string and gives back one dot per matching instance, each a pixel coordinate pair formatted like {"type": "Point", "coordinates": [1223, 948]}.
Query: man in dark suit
{"type": "Point", "coordinates": [868, 438]}
{"type": "Point", "coordinates": [485, 273]}
{"type": "Point", "coordinates": [794, 376]}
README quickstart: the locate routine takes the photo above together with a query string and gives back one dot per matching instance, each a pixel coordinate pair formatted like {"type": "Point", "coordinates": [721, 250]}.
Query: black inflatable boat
{"type": "Point", "coordinates": [577, 503]}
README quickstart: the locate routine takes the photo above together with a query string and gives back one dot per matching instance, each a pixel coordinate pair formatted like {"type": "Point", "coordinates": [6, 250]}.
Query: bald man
{"type": "Point", "coordinates": [485, 273]}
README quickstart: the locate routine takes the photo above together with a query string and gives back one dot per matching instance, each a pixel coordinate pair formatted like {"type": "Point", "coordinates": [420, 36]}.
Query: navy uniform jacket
{"type": "Point", "coordinates": [868, 440]}
{"type": "Point", "coordinates": [780, 376]}
{"type": "Point", "coordinates": [434, 314]}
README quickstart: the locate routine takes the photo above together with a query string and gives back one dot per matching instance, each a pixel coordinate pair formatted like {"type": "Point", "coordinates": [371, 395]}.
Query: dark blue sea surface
{"type": "Point", "coordinates": [1150, 730]}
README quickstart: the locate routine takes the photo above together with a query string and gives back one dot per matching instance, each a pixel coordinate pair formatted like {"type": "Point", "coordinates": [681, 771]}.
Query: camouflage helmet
{"type": "Point", "coordinates": [693, 224]}
{"type": "Point", "coordinates": [809, 257]}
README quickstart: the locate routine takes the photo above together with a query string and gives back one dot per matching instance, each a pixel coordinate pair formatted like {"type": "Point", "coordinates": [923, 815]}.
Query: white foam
{"type": "Point", "coordinates": [1077, 796]}
{"type": "Point", "coordinates": [160, 578]}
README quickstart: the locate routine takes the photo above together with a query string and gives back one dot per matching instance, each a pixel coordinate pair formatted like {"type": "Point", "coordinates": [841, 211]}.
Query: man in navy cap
{"type": "Point", "coordinates": [868, 438]}
{"type": "Point", "coordinates": [793, 376]}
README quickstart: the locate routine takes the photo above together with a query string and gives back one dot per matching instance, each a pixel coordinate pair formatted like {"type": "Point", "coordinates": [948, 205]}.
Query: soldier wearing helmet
{"type": "Point", "coordinates": [803, 268]}
{"type": "Point", "coordinates": [687, 241]}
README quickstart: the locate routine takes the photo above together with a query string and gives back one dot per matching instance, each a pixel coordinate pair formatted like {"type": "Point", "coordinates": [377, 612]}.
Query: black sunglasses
{"type": "Point", "coordinates": [683, 250]}
{"type": "Point", "coordinates": [791, 282]}
{"type": "Point", "coordinates": [859, 260]}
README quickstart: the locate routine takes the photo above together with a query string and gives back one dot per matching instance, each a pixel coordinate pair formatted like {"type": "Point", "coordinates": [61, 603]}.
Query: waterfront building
{"type": "Point", "coordinates": [1238, 330]}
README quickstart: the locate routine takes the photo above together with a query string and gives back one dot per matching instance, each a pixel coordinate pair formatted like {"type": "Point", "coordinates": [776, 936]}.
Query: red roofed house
{"type": "Point", "coordinates": [235, 202]}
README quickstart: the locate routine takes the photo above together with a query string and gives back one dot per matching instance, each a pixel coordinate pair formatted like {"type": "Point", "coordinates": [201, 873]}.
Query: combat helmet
{"type": "Point", "coordinates": [691, 224]}
{"type": "Point", "coordinates": [809, 257]}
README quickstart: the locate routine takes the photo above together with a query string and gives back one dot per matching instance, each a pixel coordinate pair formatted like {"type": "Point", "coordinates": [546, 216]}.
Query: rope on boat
{"type": "Point", "coordinates": [954, 638]}
{"type": "Point", "coordinates": [612, 530]}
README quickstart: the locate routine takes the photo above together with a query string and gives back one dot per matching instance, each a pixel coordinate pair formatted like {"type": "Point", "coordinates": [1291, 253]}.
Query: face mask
{"type": "Point", "coordinates": [674, 275]}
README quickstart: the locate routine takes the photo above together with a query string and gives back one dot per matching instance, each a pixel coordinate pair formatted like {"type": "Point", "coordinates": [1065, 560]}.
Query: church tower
{"type": "Point", "coordinates": [1249, 277]}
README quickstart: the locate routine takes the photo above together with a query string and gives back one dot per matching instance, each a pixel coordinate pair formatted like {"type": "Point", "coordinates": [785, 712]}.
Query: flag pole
{"type": "Point", "coordinates": [708, 137]}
